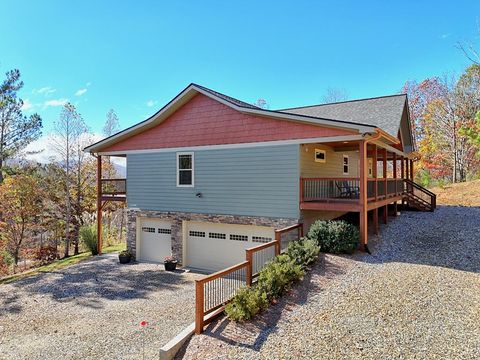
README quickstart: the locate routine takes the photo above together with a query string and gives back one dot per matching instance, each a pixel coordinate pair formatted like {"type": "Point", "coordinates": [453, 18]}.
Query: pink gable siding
{"type": "Point", "coordinates": [204, 121]}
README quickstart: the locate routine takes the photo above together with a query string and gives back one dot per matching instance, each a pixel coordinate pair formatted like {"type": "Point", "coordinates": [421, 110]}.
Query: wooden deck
{"type": "Point", "coordinates": [343, 194]}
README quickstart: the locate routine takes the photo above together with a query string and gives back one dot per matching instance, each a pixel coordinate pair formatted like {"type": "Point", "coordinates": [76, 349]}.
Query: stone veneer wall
{"type": "Point", "coordinates": [177, 217]}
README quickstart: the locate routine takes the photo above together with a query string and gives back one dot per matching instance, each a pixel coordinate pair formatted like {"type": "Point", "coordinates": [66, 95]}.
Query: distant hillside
{"type": "Point", "coordinates": [465, 194]}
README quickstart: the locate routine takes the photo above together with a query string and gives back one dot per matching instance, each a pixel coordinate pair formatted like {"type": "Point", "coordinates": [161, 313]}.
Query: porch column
{"type": "Point", "coordinates": [407, 168]}
{"type": "Point", "coordinates": [99, 204]}
{"type": "Point", "coordinates": [411, 170]}
{"type": "Point", "coordinates": [375, 184]}
{"type": "Point", "coordinates": [363, 195]}
{"type": "Point", "coordinates": [402, 170]}
{"type": "Point", "coordinates": [396, 184]}
{"type": "Point", "coordinates": [385, 208]}
{"type": "Point", "coordinates": [402, 167]}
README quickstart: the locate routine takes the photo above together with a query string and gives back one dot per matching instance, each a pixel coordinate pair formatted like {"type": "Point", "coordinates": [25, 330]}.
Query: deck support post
{"type": "Point", "coordinates": [375, 190]}
{"type": "Point", "coordinates": [375, 221]}
{"type": "Point", "coordinates": [363, 196]}
{"type": "Point", "coordinates": [99, 204]}
{"type": "Point", "coordinates": [385, 214]}
{"type": "Point", "coordinates": [411, 169]}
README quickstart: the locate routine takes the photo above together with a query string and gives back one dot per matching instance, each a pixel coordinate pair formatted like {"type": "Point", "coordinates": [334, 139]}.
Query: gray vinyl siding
{"type": "Point", "coordinates": [257, 181]}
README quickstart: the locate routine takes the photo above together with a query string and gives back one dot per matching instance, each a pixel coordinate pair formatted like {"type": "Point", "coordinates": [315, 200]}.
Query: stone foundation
{"type": "Point", "coordinates": [177, 232]}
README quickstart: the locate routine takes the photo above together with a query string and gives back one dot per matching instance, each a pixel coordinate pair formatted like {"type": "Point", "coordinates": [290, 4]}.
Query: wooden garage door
{"type": "Point", "coordinates": [214, 247]}
{"type": "Point", "coordinates": [155, 241]}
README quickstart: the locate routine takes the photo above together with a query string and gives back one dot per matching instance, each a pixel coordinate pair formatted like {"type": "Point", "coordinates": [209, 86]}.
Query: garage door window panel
{"type": "Point", "coordinates": [237, 237]}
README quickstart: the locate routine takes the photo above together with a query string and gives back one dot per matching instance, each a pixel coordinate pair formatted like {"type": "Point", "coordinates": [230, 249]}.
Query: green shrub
{"type": "Point", "coordinates": [246, 304]}
{"type": "Point", "coordinates": [303, 252]}
{"type": "Point", "coordinates": [88, 234]}
{"type": "Point", "coordinates": [273, 280]}
{"type": "Point", "coordinates": [335, 236]}
{"type": "Point", "coordinates": [278, 275]}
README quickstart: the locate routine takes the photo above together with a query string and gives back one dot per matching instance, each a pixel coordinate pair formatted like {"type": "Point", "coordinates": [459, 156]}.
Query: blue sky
{"type": "Point", "coordinates": [134, 56]}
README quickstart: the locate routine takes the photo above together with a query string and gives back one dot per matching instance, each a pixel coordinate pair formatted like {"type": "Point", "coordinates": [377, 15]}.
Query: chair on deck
{"type": "Point", "coordinates": [347, 190]}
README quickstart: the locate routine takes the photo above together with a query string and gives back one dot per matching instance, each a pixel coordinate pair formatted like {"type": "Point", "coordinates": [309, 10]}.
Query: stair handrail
{"type": "Point", "coordinates": [432, 195]}
{"type": "Point", "coordinates": [420, 187]}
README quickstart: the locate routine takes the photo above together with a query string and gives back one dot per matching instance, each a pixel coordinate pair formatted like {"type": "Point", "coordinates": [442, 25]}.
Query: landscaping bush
{"type": "Point", "coordinates": [273, 280]}
{"type": "Point", "coordinates": [277, 276]}
{"type": "Point", "coordinates": [247, 303]}
{"type": "Point", "coordinates": [303, 252]}
{"type": "Point", "coordinates": [88, 234]}
{"type": "Point", "coordinates": [335, 236]}
{"type": "Point", "coordinates": [46, 254]}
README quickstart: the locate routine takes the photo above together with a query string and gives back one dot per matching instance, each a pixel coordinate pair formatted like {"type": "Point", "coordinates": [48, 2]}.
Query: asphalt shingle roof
{"type": "Point", "coordinates": [383, 112]}
{"type": "Point", "coordinates": [228, 98]}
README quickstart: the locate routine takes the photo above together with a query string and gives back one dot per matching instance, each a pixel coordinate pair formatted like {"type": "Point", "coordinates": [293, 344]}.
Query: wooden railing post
{"type": "Point", "coordinates": [300, 231]}
{"type": "Point", "coordinates": [278, 239]}
{"type": "Point", "coordinates": [301, 190]}
{"type": "Point", "coordinates": [249, 258]}
{"type": "Point", "coordinates": [199, 316]}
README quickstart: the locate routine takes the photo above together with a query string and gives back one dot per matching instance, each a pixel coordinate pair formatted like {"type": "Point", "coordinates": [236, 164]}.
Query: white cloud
{"type": "Point", "coordinates": [151, 103]}
{"type": "Point", "coordinates": [27, 105]}
{"type": "Point", "coordinates": [47, 90]}
{"type": "Point", "coordinates": [80, 92]}
{"type": "Point", "coordinates": [444, 36]}
{"type": "Point", "coordinates": [55, 102]}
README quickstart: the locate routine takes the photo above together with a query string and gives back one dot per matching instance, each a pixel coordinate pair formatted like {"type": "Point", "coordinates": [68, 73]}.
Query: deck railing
{"type": "Point", "coordinates": [326, 189]}
{"type": "Point", "coordinates": [347, 189]}
{"type": "Point", "coordinates": [112, 187]}
{"type": "Point", "coordinates": [215, 290]}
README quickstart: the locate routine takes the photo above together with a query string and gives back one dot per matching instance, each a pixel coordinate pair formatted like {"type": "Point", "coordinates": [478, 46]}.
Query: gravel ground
{"type": "Point", "coordinates": [93, 310]}
{"type": "Point", "coordinates": [416, 297]}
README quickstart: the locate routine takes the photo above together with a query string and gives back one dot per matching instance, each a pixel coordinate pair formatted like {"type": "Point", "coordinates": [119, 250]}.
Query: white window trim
{"type": "Point", "coordinates": [324, 156]}
{"type": "Point", "coordinates": [193, 168]}
{"type": "Point", "coordinates": [348, 164]}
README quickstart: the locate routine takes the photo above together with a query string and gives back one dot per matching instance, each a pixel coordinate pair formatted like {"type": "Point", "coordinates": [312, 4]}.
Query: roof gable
{"type": "Point", "coordinates": [203, 121]}
{"type": "Point", "coordinates": [192, 90]}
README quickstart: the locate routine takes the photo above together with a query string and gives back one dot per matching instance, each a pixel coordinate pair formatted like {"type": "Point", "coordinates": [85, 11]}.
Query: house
{"type": "Point", "coordinates": [209, 176]}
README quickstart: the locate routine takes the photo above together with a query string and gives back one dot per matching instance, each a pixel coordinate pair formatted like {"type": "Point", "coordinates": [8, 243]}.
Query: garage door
{"type": "Point", "coordinates": [214, 247]}
{"type": "Point", "coordinates": [155, 240]}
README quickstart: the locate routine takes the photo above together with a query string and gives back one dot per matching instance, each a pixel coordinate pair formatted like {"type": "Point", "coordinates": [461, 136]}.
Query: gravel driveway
{"type": "Point", "coordinates": [93, 310]}
{"type": "Point", "coordinates": [416, 297]}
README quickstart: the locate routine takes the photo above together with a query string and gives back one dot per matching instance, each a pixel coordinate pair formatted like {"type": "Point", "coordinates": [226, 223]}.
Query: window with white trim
{"type": "Point", "coordinates": [346, 165]}
{"type": "Point", "coordinates": [185, 170]}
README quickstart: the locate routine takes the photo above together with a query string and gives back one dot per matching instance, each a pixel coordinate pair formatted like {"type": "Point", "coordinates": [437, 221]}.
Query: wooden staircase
{"type": "Point", "coordinates": [418, 197]}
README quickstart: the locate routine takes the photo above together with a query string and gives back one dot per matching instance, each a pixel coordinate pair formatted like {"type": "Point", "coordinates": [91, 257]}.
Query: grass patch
{"type": "Point", "coordinates": [59, 264]}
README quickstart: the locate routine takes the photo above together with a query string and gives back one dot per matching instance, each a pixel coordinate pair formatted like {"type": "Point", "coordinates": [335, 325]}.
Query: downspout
{"type": "Point", "coordinates": [364, 179]}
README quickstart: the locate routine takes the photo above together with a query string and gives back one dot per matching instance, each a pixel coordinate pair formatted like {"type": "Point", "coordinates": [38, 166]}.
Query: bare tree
{"type": "Point", "coordinates": [112, 125]}
{"type": "Point", "coordinates": [261, 103]}
{"type": "Point", "coordinates": [334, 95]}
{"type": "Point", "coordinates": [469, 49]}
{"type": "Point", "coordinates": [65, 142]}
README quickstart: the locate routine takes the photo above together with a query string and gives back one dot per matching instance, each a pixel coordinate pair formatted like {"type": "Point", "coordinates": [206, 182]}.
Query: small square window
{"type": "Point", "coordinates": [346, 165]}
{"type": "Point", "coordinates": [185, 169]}
{"type": "Point", "coordinates": [320, 156]}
